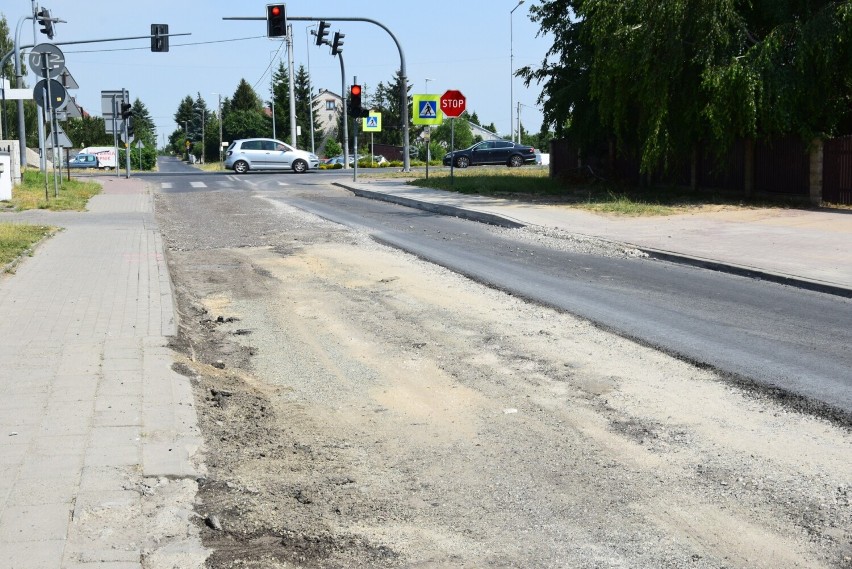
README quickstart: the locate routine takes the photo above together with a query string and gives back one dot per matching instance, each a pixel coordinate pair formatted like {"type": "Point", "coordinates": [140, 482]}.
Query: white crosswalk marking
{"type": "Point", "coordinates": [166, 185]}
{"type": "Point", "coordinates": [198, 184]}
{"type": "Point", "coordinates": [283, 184]}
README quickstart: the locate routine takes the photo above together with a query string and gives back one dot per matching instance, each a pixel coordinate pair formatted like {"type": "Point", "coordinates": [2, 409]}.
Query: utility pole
{"type": "Point", "coordinates": [290, 64]}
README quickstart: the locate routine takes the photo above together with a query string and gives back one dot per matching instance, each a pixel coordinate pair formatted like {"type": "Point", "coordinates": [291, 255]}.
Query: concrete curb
{"type": "Point", "coordinates": [749, 272]}
{"type": "Point", "coordinates": [670, 256]}
{"type": "Point", "coordinates": [473, 215]}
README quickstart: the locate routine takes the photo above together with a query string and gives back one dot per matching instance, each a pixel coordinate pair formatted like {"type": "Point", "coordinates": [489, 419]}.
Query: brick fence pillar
{"type": "Point", "coordinates": [815, 183]}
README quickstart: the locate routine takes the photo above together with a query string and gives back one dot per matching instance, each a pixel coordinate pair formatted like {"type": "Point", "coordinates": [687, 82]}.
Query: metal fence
{"type": "Point", "coordinates": [780, 166]}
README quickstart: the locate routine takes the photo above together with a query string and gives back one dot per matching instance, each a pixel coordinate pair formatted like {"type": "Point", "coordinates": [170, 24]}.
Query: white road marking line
{"type": "Point", "coordinates": [166, 185]}
{"type": "Point", "coordinates": [283, 184]}
{"type": "Point", "coordinates": [198, 184]}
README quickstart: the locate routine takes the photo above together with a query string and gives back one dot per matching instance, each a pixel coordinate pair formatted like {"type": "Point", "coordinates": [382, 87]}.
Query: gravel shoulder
{"type": "Point", "coordinates": [361, 407]}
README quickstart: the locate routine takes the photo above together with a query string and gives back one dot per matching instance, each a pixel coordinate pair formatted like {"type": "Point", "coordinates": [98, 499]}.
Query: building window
{"type": "Point", "coordinates": [330, 105]}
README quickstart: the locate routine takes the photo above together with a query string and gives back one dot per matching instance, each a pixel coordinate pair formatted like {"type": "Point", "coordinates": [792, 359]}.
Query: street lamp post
{"type": "Point", "coordinates": [219, 117]}
{"type": "Point", "coordinates": [512, 74]}
{"type": "Point", "coordinates": [203, 133]}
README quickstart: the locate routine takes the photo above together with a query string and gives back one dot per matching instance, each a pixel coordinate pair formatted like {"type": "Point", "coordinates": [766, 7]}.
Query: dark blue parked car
{"type": "Point", "coordinates": [492, 152]}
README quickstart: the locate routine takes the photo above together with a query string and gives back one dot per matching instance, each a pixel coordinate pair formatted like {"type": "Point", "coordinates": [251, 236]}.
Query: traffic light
{"type": "Point", "coordinates": [276, 21]}
{"type": "Point", "coordinates": [337, 44]}
{"type": "Point", "coordinates": [159, 37]}
{"type": "Point", "coordinates": [43, 17]}
{"type": "Point", "coordinates": [322, 32]}
{"type": "Point", "coordinates": [355, 109]}
{"type": "Point", "coordinates": [126, 110]}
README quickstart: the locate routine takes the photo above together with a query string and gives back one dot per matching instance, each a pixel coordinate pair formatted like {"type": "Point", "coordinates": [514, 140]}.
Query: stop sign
{"type": "Point", "coordinates": [453, 103]}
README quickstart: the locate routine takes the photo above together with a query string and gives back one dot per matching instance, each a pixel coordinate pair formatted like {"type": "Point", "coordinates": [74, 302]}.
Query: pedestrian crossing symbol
{"type": "Point", "coordinates": [372, 122]}
{"type": "Point", "coordinates": [426, 110]}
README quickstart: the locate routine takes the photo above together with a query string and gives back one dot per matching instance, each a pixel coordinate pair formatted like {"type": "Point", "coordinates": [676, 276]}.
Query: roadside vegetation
{"type": "Point", "coordinates": [534, 184]}
{"type": "Point", "coordinates": [30, 194]}
{"type": "Point", "coordinates": [18, 239]}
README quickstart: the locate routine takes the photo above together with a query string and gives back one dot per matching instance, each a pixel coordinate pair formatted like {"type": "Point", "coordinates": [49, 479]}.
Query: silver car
{"type": "Point", "coordinates": [267, 154]}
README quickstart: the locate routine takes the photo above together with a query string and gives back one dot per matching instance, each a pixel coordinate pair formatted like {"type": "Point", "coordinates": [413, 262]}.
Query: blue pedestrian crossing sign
{"type": "Point", "coordinates": [372, 122]}
{"type": "Point", "coordinates": [427, 109]}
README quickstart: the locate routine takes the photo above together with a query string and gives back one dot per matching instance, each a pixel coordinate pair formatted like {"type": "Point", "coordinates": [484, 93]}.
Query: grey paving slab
{"type": "Point", "coordinates": [22, 555]}
{"type": "Point", "coordinates": [86, 322]}
{"type": "Point", "coordinates": [34, 523]}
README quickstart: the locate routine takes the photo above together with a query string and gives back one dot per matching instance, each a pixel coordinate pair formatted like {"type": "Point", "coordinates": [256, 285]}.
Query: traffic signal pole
{"type": "Point", "coordinates": [403, 95]}
{"type": "Point", "coordinates": [345, 113]}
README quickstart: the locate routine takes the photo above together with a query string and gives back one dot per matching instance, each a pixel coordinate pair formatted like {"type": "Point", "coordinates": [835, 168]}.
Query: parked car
{"type": "Point", "coordinates": [492, 152]}
{"type": "Point", "coordinates": [339, 160]}
{"type": "Point", "coordinates": [267, 154]}
{"type": "Point", "coordinates": [84, 160]}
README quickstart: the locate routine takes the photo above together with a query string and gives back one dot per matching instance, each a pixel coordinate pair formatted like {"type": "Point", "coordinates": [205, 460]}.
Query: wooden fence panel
{"type": "Point", "coordinates": [782, 166]}
{"type": "Point", "coordinates": [837, 171]}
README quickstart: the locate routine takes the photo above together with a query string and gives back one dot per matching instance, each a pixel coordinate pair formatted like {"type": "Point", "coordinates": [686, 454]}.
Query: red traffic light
{"type": "Point", "coordinates": [276, 21]}
{"type": "Point", "coordinates": [356, 90]}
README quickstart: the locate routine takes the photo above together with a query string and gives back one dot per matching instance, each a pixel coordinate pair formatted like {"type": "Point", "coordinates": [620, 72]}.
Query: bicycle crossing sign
{"type": "Point", "coordinates": [372, 122]}
{"type": "Point", "coordinates": [427, 109]}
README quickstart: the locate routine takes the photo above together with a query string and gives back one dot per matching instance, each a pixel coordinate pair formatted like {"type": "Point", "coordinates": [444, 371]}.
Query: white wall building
{"type": "Point", "coordinates": [328, 107]}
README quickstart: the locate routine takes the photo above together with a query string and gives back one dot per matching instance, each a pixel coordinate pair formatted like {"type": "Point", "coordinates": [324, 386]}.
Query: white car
{"type": "Point", "coordinates": [268, 154]}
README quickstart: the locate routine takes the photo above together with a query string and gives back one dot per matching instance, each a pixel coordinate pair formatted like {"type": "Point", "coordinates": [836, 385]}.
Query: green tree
{"type": "Point", "coordinates": [280, 90]}
{"type": "Point", "coordinates": [9, 109]}
{"type": "Point", "coordinates": [88, 131]}
{"type": "Point", "coordinates": [387, 100]}
{"type": "Point", "coordinates": [565, 97]}
{"type": "Point", "coordinates": [304, 102]}
{"type": "Point", "coordinates": [243, 115]}
{"type": "Point", "coordinates": [662, 77]}
{"type": "Point", "coordinates": [333, 148]}
{"type": "Point", "coordinates": [463, 136]}
{"type": "Point", "coordinates": [143, 124]}
{"type": "Point", "coordinates": [787, 68]}
{"type": "Point", "coordinates": [185, 115]}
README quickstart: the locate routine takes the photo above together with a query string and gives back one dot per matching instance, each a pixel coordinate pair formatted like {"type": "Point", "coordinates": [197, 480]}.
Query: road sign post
{"type": "Point", "coordinates": [453, 104]}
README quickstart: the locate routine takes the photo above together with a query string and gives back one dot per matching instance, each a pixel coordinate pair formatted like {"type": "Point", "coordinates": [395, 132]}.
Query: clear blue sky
{"type": "Point", "coordinates": [462, 44]}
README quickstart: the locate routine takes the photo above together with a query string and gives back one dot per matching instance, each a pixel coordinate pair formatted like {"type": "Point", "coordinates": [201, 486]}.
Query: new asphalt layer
{"type": "Point", "coordinates": [98, 435]}
{"type": "Point", "coordinates": [809, 249]}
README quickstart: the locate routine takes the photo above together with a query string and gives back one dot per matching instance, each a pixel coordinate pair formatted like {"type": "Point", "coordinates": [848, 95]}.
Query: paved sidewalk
{"type": "Point", "coordinates": [97, 434]}
{"type": "Point", "coordinates": [809, 249]}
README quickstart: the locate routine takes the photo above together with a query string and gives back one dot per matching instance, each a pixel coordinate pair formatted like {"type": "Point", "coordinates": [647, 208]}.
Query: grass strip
{"type": "Point", "coordinates": [17, 240]}
{"type": "Point", "coordinates": [30, 194]}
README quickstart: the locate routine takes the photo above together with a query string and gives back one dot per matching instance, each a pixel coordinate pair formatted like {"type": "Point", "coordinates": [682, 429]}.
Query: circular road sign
{"type": "Point", "coordinates": [453, 103]}
{"type": "Point", "coordinates": [46, 57]}
{"type": "Point", "coordinates": [58, 94]}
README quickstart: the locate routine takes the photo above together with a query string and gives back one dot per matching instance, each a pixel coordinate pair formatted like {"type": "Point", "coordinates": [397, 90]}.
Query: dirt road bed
{"type": "Point", "coordinates": [362, 408]}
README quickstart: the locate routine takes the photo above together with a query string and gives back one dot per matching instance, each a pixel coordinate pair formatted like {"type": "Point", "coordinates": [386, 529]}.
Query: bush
{"type": "Point", "coordinates": [149, 158]}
